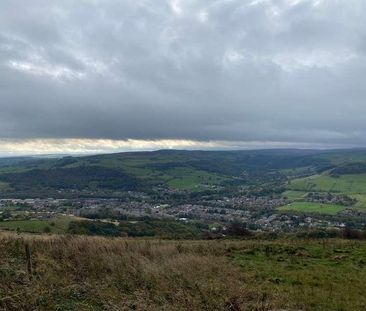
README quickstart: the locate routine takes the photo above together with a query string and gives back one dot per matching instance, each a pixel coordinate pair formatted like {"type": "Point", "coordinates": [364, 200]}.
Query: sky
{"type": "Point", "coordinates": [93, 76]}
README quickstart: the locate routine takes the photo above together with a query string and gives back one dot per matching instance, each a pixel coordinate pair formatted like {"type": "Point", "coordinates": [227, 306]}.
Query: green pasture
{"type": "Point", "coordinates": [294, 195]}
{"type": "Point", "coordinates": [361, 201]}
{"type": "Point", "coordinates": [310, 207]}
{"type": "Point", "coordinates": [348, 184]}
{"type": "Point", "coordinates": [186, 178]}
{"type": "Point", "coordinates": [4, 186]}
{"type": "Point", "coordinates": [312, 275]}
{"type": "Point", "coordinates": [58, 224]}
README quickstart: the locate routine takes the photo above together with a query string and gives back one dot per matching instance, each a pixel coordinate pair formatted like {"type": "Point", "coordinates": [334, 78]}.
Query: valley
{"type": "Point", "coordinates": [264, 190]}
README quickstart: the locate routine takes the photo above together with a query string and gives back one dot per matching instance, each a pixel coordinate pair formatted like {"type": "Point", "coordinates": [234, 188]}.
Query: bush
{"type": "Point", "coordinates": [237, 229]}
{"type": "Point", "coordinates": [94, 228]}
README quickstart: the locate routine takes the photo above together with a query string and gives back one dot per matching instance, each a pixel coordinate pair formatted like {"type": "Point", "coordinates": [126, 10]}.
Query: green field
{"type": "Point", "coordinates": [56, 225]}
{"type": "Point", "coordinates": [353, 185]}
{"type": "Point", "coordinates": [309, 207]}
{"type": "Point", "coordinates": [185, 178]}
{"type": "Point", "coordinates": [4, 186]}
{"type": "Point", "coordinates": [348, 184]}
{"type": "Point", "coordinates": [294, 195]}
{"type": "Point", "coordinates": [314, 277]}
{"type": "Point", "coordinates": [361, 201]}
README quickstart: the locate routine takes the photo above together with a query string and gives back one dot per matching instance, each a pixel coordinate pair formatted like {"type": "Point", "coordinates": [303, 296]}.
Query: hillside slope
{"type": "Point", "coordinates": [170, 169]}
{"type": "Point", "coordinates": [85, 273]}
{"type": "Point", "coordinates": [191, 170]}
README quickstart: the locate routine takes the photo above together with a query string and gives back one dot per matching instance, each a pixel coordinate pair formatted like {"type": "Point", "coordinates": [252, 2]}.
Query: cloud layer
{"type": "Point", "coordinates": [291, 71]}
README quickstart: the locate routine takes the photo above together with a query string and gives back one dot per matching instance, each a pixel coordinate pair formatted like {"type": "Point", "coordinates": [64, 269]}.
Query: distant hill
{"type": "Point", "coordinates": [171, 169]}
{"type": "Point", "coordinates": [10, 161]}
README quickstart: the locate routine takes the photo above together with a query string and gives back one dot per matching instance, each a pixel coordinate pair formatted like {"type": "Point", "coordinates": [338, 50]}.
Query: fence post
{"type": "Point", "coordinates": [28, 255]}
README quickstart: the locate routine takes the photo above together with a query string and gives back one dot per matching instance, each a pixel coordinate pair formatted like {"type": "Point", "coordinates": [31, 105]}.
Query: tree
{"type": "Point", "coordinates": [7, 214]}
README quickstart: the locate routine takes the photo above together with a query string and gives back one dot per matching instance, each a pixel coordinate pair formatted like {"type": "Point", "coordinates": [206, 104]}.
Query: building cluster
{"type": "Point", "coordinates": [330, 198]}
{"type": "Point", "coordinates": [257, 213]}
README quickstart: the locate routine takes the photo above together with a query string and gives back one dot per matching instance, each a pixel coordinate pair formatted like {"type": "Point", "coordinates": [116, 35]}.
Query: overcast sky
{"type": "Point", "coordinates": [125, 74]}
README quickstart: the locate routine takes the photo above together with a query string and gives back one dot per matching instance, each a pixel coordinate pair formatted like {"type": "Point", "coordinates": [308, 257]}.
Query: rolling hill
{"type": "Point", "coordinates": [190, 170]}
{"type": "Point", "coordinates": [184, 170]}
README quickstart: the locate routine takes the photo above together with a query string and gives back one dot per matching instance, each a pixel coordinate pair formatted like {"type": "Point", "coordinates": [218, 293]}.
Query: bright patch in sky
{"type": "Point", "coordinates": [95, 146]}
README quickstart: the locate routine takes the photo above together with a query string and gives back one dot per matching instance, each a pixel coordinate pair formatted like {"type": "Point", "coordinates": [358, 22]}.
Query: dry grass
{"type": "Point", "coordinates": [96, 273]}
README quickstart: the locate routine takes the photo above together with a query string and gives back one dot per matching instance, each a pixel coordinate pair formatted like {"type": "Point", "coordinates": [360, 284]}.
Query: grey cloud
{"type": "Point", "coordinates": [291, 71]}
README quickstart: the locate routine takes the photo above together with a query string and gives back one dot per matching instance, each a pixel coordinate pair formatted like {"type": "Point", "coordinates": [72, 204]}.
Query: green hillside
{"type": "Point", "coordinates": [309, 207]}
{"type": "Point", "coordinates": [347, 178]}
{"type": "Point", "coordinates": [349, 184]}
{"type": "Point", "coordinates": [184, 170]}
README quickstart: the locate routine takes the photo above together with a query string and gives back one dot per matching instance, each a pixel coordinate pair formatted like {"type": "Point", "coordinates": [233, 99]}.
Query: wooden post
{"type": "Point", "coordinates": [28, 255]}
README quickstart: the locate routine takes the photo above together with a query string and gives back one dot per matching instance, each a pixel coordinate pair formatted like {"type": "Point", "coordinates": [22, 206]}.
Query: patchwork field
{"type": "Point", "coordinates": [184, 178]}
{"type": "Point", "coordinates": [294, 195]}
{"type": "Point", "coordinates": [353, 185]}
{"type": "Point", "coordinates": [309, 207]}
{"type": "Point", "coordinates": [348, 184]}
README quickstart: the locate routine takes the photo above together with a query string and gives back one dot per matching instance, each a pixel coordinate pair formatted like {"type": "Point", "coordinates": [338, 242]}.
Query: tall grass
{"type": "Point", "coordinates": [97, 273]}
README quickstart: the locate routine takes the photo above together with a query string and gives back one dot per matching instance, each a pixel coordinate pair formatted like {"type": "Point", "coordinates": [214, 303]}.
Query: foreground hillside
{"type": "Point", "coordinates": [94, 273]}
